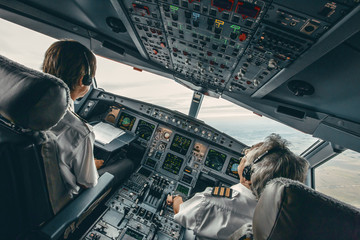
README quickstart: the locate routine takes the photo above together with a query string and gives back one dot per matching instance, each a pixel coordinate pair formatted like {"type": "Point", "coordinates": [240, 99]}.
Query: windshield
{"type": "Point", "coordinates": [28, 47]}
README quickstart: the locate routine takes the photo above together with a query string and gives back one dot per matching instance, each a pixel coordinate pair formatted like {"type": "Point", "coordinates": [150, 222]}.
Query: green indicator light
{"type": "Point", "coordinates": [174, 8]}
{"type": "Point", "coordinates": [225, 41]}
{"type": "Point", "coordinates": [235, 27]}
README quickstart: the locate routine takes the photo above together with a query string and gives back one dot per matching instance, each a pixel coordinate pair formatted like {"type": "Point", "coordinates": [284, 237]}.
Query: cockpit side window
{"type": "Point", "coordinates": [339, 177]}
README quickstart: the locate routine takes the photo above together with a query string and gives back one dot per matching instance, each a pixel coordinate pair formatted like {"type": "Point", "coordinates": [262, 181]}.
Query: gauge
{"type": "Point", "coordinates": [162, 146]}
{"type": "Point", "coordinates": [144, 130]}
{"type": "Point", "coordinates": [215, 160]}
{"type": "Point", "coordinates": [232, 168]}
{"type": "Point", "coordinates": [126, 121]}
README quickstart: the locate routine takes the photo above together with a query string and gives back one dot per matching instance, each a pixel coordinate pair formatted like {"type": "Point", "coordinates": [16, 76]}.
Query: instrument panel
{"type": "Point", "coordinates": [182, 156]}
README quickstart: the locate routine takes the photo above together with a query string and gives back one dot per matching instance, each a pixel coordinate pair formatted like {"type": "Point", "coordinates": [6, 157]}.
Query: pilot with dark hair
{"type": "Point", "coordinates": [75, 65]}
{"type": "Point", "coordinates": [218, 212]}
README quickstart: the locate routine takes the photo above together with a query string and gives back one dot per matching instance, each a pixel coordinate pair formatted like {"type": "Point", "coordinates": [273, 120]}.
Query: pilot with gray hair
{"type": "Point", "coordinates": [218, 212]}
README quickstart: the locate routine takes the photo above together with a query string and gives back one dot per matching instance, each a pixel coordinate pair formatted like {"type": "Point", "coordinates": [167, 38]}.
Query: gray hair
{"type": "Point", "coordinates": [279, 162]}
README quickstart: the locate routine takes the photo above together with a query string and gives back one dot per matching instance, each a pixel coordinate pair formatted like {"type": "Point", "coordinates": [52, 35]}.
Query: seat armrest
{"type": "Point", "coordinates": [66, 221]}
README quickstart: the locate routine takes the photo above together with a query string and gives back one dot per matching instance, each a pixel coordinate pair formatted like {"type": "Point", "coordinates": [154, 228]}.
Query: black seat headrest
{"type": "Point", "coordinates": [31, 99]}
{"type": "Point", "coordinates": [288, 209]}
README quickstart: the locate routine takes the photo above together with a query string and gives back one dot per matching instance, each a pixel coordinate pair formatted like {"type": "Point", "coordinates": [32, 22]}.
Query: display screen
{"type": "Point", "coordinates": [144, 130]}
{"type": "Point", "coordinates": [150, 162]}
{"type": "Point", "coordinates": [182, 189]}
{"type": "Point", "coordinates": [232, 168]}
{"type": "Point", "coordinates": [132, 235]}
{"type": "Point", "coordinates": [223, 4]}
{"type": "Point", "coordinates": [186, 179]}
{"type": "Point", "coordinates": [215, 160]}
{"type": "Point", "coordinates": [172, 163]}
{"type": "Point", "coordinates": [126, 121]}
{"type": "Point", "coordinates": [180, 144]}
{"type": "Point", "coordinates": [248, 9]}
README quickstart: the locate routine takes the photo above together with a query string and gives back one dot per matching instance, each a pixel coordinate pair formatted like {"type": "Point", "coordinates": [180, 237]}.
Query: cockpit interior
{"type": "Point", "coordinates": [295, 62]}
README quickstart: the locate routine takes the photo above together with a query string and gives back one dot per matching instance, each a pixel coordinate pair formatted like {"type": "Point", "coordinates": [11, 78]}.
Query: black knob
{"type": "Point", "coordinates": [233, 35]}
{"type": "Point", "coordinates": [217, 30]}
{"type": "Point", "coordinates": [175, 17]}
{"type": "Point", "coordinates": [196, 23]}
{"type": "Point", "coordinates": [210, 21]}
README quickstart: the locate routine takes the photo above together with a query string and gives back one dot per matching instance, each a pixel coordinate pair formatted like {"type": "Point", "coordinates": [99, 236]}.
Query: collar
{"type": "Point", "coordinates": [71, 105]}
{"type": "Point", "coordinates": [244, 190]}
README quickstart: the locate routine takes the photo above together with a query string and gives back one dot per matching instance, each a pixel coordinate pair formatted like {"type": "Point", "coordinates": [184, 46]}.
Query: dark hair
{"type": "Point", "coordinates": [280, 162]}
{"type": "Point", "coordinates": [65, 59]}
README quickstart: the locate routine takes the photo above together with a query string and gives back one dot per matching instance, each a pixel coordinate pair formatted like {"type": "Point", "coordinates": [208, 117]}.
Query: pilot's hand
{"type": "Point", "coordinates": [98, 163]}
{"type": "Point", "coordinates": [169, 200]}
{"type": "Point", "coordinates": [175, 201]}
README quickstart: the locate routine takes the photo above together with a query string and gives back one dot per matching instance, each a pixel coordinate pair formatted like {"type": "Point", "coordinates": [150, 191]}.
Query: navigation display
{"type": "Point", "coordinates": [215, 160]}
{"type": "Point", "coordinates": [232, 168]}
{"type": "Point", "coordinates": [172, 163]}
{"type": "Point", "coordinates": [180, 144]}
{"type": "Point", "coordinates": [144, 130]}
{"type": "Point", "coordinates": [126, 121]}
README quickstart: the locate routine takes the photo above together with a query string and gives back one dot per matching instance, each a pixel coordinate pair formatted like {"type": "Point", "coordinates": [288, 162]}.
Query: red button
{"type": "Point", "coordinates": [242, 37]}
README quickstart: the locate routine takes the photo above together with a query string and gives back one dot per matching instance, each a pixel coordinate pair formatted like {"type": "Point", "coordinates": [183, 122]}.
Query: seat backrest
{"type": "Point", "coordinates": [288, 209]}
{"type": "Point", "coordinates": [30, 102]}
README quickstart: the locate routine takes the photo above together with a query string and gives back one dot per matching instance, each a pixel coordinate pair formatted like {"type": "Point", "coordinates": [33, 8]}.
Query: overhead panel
{"type": "Point", "coordinates": [230, 45]}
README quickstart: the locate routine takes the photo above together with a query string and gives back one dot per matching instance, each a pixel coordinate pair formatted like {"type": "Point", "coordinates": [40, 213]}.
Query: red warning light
{"type": "Point", "coordinates": [242, 37]}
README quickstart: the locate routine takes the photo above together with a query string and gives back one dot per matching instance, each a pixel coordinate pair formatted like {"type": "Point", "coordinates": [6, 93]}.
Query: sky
{"type": "Point", "coordinates": [28, 47]}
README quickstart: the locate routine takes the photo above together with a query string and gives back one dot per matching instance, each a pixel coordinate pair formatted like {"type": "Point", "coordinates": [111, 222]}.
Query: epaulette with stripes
{"type": "Point", "coordinates": [222, 192]}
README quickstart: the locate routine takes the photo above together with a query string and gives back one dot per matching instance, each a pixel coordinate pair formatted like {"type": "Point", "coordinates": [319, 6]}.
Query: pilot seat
{"type": "Point", "coordinates": [288, 209]}
{"type": "Point", "coordinates": [34, 202]}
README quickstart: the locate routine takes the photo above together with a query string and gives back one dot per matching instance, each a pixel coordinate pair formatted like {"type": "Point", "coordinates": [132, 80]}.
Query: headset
{"type": "Point", "coordinates": [87, 79]}
{"type": "Point", "coordinates": [248, 169]}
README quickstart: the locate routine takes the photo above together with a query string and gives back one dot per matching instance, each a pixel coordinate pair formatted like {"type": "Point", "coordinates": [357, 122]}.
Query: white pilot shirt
{"type": "Point", "coordinates": [75, 142]}
{"type": "Point", "coordinates": [213, 217]}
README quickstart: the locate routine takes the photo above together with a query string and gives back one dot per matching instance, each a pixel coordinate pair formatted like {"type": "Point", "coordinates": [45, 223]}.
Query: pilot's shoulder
{"type": "Point", "coordinates": [219, 192]}
{"type": "Point", "coordinates": [72, 123]}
